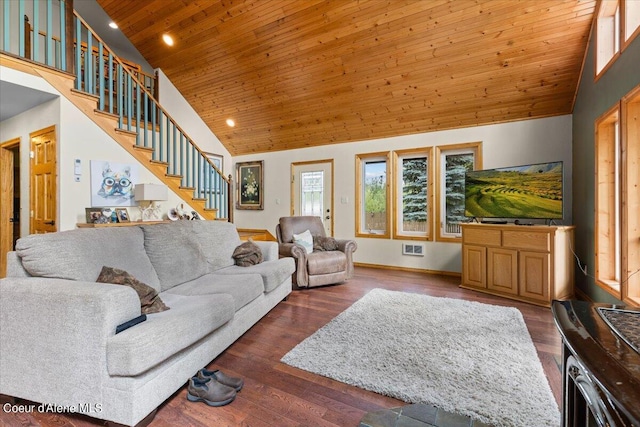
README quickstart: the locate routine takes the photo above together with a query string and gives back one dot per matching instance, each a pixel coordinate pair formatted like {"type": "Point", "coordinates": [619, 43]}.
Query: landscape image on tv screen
{"type": "Point", "coordinates": [529, 191]}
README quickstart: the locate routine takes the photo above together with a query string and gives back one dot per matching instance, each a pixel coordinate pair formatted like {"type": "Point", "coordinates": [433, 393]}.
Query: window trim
{"type": "Point", "coordinates": [360, 161]}
{"type": "Point", "coordinates": [476, 148]}
{"type": "Point", "coordinates": [627, 288]}
{"type": "Point", "coordinates": [630, 197]}
{"type": "Point", "coordinates": [606, 9]}
{"type": "Point", "coordinates": [606, 243]}
{"type": "Point", "coordinates": [397, 193]}
{"type": "Point", "coordinates": [624, 40]}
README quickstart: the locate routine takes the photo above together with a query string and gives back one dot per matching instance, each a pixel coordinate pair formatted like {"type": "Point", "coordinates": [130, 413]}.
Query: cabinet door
{"type": "Point", "coordinates": [474, 266]}
{"type": "Point", "coordinates": [502, 270]}
{"type": "Point", "coordinates": [534, 275]}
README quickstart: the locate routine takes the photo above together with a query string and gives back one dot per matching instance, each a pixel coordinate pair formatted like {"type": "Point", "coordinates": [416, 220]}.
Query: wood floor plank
{"type": "Point", "coordinates": [278, 395]}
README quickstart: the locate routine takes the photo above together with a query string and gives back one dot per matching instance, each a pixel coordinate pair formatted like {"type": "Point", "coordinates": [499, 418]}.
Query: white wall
{"type": "Point", "coordinates": [507, 144]}
{"type": "Point", "coordinates": [78, 137]}
{"type": "Point", "coordinates": [187, 118]}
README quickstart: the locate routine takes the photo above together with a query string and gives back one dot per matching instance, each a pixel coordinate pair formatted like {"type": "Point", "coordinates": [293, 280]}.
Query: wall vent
{"type": "Point", "coordinates": [411, 249]}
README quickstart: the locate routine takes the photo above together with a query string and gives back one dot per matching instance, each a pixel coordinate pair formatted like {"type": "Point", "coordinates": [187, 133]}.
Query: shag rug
{"type": "Point", "coordinates": [464, 357]}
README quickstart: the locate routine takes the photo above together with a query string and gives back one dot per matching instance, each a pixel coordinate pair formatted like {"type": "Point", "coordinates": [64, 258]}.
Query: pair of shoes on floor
{"type": "Point", "coordinates": [213, 388]}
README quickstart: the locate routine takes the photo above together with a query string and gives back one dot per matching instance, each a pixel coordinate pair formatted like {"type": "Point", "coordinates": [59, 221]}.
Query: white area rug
{"type": "Point", "coordinates": [465, 357]}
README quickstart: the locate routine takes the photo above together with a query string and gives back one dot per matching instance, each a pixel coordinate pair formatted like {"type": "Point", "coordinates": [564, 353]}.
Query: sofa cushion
{"type": "Point", "coordinates": [162, 335]}
{"type": "Point", "coordinates": [243, 288]}
{"type": "Point", "coordinates": [326, 262]}
{"type": "Point", "coordinates": [273, 273]}
{"type": "Point", "coordinates": [218, 240]}
{"type": "Point", "coordinates": [247, 253]}
{"type": "Point", "coordinates": [80, 254]}
{"type": "Point", "coordinates": [150, 301]}
{"type": "Point", "coordinates": [174, 252]}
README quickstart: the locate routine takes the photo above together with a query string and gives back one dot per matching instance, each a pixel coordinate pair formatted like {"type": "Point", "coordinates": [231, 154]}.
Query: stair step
{"type": "Point", "coordinates": [126, 132]}
{"type": "Point", "coordinates": [187, 188]}
{"type": "Point", "coordinates": [174, 176]}
{"type": "Point", "coordinates": [143, 148]}
{"type": "Point", "coordinates": [85, 95]}
{"type": "Point", "coordinates": [106, 114]}
{"type": "Point", "coordinates": [125, 120]}
{"type": "Point", "coordinates": [159, 162]}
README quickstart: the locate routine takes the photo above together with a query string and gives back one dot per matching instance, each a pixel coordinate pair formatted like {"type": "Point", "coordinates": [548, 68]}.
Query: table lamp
{"type": "Point", "coordinates": [147, 195]}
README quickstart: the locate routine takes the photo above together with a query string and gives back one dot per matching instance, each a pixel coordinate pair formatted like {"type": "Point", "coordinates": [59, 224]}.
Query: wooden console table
{"type": "Point", "coordinates": [527, 263]}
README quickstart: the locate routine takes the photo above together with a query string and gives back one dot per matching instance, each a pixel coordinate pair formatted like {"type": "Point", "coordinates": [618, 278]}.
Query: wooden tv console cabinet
{"type": "Point", "coordinates": [526, 263]}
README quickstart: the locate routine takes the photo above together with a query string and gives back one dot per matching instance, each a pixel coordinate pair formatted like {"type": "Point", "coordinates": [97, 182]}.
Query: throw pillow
{"type": "Point", "coordinates": [247, 253]}
{"type": "Point", "coordinates": [305, 240]}
{"type": "Point", "coordinates": [324, 243]}
{"type": "Point", "coordinates": [150, 301]}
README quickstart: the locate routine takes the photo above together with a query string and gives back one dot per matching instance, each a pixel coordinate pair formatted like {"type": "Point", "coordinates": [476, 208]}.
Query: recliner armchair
{"type": "Point", "coordinates": [318, 267]}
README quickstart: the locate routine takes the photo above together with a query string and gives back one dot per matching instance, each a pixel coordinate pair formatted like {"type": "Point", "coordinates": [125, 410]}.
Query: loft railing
{"type": "Point", "coordinates": [47, 44]}
{"type": "Point", "coordinates": [121, 90]}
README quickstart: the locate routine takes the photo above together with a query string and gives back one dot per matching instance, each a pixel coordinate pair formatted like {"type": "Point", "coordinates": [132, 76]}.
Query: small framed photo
{"type": "Point", "coordinates": [94, 216]}
{"type": "Point", "coordinates": [123, 215]}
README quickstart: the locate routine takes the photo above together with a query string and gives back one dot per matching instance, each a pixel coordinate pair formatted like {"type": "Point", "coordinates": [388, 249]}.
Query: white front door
{"type": "Point", "coordinates": [312, 191]}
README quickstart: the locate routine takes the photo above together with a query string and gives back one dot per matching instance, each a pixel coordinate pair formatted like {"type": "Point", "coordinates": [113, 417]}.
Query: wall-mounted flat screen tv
{"type": "Point", "coordinates": [529, 191]}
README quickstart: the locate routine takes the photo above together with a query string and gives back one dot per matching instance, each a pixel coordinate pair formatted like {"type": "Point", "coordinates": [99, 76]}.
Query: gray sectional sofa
{"type": "Point", "coordinates": [57, 325]}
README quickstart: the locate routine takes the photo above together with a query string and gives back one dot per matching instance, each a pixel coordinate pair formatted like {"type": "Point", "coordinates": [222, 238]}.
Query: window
{"type": "Point", "coordinates": [312, 193]}
{"type": "Point", "coordinates": [630, 194]}
{"type": "Point", "coordinates": [372, 195]}
{"type": "Point", "coordinates": [608, 201]}
{"type": "Point", "coordinates": [607, 34]}
{"type": "Point", "coordinates": [617, 200]}
{"type": "Point", "coordinates": [630, 19]}
{"type": "Point", "coordinates": [413, 194]}
{"type": "Point", "coordinates": [453, 162]}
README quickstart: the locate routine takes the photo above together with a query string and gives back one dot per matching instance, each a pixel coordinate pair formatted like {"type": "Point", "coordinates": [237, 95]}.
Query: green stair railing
{"type": "Point", "coordinates": [118, 89]}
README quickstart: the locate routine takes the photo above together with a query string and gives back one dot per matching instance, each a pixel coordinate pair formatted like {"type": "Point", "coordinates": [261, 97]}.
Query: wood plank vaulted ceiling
{"type": "Point", "coordinates": [301, 73]}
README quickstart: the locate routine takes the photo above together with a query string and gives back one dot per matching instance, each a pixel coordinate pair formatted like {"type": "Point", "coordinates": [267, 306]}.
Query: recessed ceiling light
{"type": "Point", "coordinates": [113, 25]}
{"type": "Point", "coordinates": [167, 39]}
{"type": "Point", "coordinates": [231, 123]}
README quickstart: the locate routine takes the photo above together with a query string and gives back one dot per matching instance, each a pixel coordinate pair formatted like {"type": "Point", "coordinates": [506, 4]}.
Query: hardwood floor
{"type": "Point", "coordinates": [278, 395]}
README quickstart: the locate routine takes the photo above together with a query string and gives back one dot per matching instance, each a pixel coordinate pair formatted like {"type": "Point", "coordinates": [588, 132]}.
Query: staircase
{"type": "Point", "coordinates": [96, 81]}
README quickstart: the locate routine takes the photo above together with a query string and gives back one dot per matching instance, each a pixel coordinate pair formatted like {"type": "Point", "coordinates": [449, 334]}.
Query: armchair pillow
{"type": "Point", "coordinates": [321, 243]}
{"type": "Point", "coordinates": [305, 240]}
{"type": "Point", "coordinates": [150, 302]}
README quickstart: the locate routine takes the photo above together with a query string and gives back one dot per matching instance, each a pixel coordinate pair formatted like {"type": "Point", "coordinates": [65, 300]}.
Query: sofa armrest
{"type": "Point", "coordinates": [269, 249]}
{"type": "Point", "coordinates": [299, 254]}
{"type": "Point", "coordinates": [53, 335]}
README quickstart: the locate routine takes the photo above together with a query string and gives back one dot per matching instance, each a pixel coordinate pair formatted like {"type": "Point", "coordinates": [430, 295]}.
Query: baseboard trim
{"type": "Point", "coordinates": [581, 295]}
{"type": "Point", "coordinates": [410, 269]}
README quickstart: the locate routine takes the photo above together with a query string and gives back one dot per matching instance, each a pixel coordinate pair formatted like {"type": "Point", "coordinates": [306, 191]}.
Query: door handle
{"type": "Point", "coordinates": [49, 223]}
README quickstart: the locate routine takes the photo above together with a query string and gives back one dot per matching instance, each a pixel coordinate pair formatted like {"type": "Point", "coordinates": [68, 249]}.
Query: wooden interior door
{"type": "Point", "coordinates": [43, 181]}
{"type": "Point", "coordinates": [8, 168]}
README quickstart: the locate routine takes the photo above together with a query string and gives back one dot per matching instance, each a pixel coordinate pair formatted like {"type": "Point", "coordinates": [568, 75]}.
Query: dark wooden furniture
{"type": "Point", "coordinates": [600, 363]}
